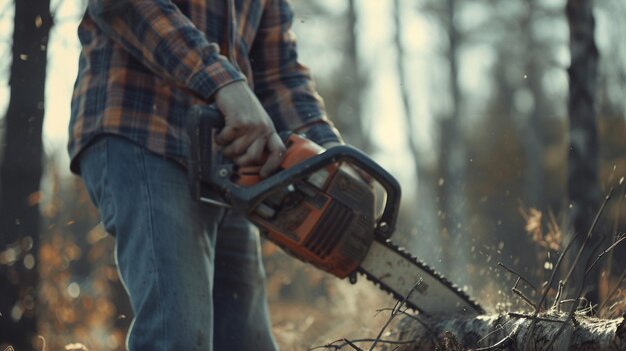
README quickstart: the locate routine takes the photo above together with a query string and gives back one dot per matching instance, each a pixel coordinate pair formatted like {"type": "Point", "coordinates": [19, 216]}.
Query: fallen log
{"type": "Point", "coordinates": [510, 331]}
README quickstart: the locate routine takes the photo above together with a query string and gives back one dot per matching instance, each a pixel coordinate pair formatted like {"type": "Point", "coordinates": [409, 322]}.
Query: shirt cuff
{"type": "Point", "coordinates": [215, 76]}
{"type": "Point", "coordinates": [322, 133]}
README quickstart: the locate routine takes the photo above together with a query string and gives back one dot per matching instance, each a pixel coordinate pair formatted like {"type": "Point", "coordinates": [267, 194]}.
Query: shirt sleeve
{"type": "Point", "coordinates": [160, 36]}
{"type": "Point", "coordinates": [282, 84]}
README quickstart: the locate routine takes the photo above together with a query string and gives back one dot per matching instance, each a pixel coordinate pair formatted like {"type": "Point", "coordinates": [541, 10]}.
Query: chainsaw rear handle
{"type": "Point", "coordinates": [208, 169]}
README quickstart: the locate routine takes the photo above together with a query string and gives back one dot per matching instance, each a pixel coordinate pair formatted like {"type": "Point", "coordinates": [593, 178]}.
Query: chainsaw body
{"type": "Point", "coordinates": [318, 207]}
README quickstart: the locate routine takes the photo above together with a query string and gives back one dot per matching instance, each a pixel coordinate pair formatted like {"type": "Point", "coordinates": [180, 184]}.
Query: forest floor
{"type": "Point", "coordinates": [353, 312]}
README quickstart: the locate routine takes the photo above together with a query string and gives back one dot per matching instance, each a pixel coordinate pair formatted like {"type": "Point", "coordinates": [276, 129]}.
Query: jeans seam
{"type": "Point", "coordinates": [151, 226]}
{"type": "Point", "coordinates": [106, 195]}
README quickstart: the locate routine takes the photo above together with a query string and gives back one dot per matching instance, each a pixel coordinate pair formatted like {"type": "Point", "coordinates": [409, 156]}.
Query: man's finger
{"type": "Point", "coordinates": [254, 155]}
{"type": "Point", "coordinates": [276, 150]}
{"type": "Point", "coordinates": [228, 135]}
{"type": "Point", "coordinates": [237, 147]}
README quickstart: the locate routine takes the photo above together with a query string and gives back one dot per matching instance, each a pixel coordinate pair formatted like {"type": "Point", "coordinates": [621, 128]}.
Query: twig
{"type": "Point", "coordinates": [497, 329]}
{"type": "Point", "coordinates": [519, 293]}
{"type": "Point", "coordinates": [533, 323]}
{"type": "Point", "coordinates": [413, 317]}
{"type": "Point", "coordinates": [517, 274]}
{"type": "Point", "coordinates": [395, 312]}
{"type": "Point", "coordinates": [567, 301]}
{"type": "Point", "coordinates": [557, 298]}
{"type": "Point", "coordinates": [577, 300]}
{"type": "Point", "coordinates": [620, 239]}
{"type": "Point", "coordinates": [616, 224]}
{"type": "Point", "coordinates": [540, 319]}
{"type": "Point", "coordinates": [558, 264]}
{"type": "Point", "coordinates": [351, 343]}
{"type": "Point", "coordinates": [588, 237]}
{"type": "Point", "coordinates": [572, 310]}
{"type": "Point", "coordinates": [506, 342]}
{"type": "Point", "coordinates": [336, 347]}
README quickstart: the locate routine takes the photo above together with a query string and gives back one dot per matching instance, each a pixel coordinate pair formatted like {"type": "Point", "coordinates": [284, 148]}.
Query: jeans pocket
{"type": "Point", "coordinates": [94, 172]}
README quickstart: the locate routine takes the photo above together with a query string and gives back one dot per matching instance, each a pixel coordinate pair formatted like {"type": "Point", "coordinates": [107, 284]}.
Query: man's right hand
{"type": "Point", "coordinates": [248, 137]}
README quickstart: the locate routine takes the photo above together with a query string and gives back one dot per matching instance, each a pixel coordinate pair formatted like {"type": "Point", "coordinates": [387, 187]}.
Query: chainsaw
{"type": "Point", "coordinates": [335, 209]}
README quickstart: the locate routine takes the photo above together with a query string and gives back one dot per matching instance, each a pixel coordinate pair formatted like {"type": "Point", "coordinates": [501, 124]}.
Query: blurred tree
{"type": "Point", "coordinates": [452, 155]}
{"type": "Point", "coordinates": [582, 185]}
{"type": "Point", "coordinates": [452, 159]}
{"type": "Point", "coordinates": [532, 131]}
{"type": "Point", "coordinates": [349, 110]}
{"type": "Point", "coordinates": [404, 85]}
{"type": "Point", "coordinates": [529, 55]}
{"type": "Point", "coordinates": [341, 82]}
{"type": "Point", "coordinates": [612, 65]}
{"type": "Point", "coordinates": [20, 174]}
{"type": "Point", "coordinates": [422, 217]}
{"type": "Point", "coordinates": [612, 123]}
{"type": "Point", "coordinates": [513, 122]}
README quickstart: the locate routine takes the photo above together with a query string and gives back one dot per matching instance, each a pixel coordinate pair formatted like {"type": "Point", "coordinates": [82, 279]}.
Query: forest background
{"type": "Point", "coordinates": [465, 102]}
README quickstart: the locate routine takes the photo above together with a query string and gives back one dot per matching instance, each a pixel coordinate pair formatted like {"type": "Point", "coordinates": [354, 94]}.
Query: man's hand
{"type": "Point", "coordinates": [249, 137]}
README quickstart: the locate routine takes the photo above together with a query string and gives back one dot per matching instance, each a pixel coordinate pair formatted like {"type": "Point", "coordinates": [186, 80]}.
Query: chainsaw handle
{"type": "Point", "coordinates": [207, 167]}
{"type": "Point", "coordinates": [386, 224]}
{"type": "Point", "coordinates": [203, 121]}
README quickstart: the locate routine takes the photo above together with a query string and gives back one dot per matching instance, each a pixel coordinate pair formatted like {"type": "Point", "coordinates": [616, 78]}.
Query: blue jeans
{"type": "Point", "coordinates": [193, 272]}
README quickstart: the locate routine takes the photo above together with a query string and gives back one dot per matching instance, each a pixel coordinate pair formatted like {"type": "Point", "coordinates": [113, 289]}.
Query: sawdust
{"type": "Point", "coordinates": [350, 312]}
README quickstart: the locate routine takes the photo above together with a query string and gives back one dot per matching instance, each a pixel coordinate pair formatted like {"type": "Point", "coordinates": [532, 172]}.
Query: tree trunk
{"type": "Point", "coordinates": [350, 84]}
{"type": "Point", "coordinates": [452, 159]}
{"type": "Point", "coordinates": [20, 174]}
{"type": "Point", "coordinates": [404, 84]}
{"type": "Point", "coordinates": [533, 128]}
{"type": "Point", "coordinates": [424, 215]}
{"type": "Point", "coordinates": [583, 188]}
{"type": "Point", "coordinates": [510, 332]}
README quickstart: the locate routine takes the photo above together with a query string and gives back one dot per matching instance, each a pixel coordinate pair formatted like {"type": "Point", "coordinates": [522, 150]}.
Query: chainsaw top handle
{"type": "Point", "coordinates": [209, 170]}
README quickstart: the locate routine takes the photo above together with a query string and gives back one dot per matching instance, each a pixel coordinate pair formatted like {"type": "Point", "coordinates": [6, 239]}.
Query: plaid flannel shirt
{"type": "Point", "coordinates": [144, 63]}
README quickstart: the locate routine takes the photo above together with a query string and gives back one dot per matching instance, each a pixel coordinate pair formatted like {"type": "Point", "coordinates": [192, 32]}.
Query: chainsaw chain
{"type": "Point", "coordinates": [410, 257]}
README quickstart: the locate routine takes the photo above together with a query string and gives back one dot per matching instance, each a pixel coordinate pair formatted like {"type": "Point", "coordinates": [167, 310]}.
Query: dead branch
{"type": "Point", "coordinates": [506, 342]}
{"type": "Point", "coordinates": [619, 239]}
{"type": "Point", "coordinates": [396, 311]}
{"type": "Point", "coordinates": [588, 237]}
{"type": "Point", "coordinates": [518, 275]}
{"type": "Point", "coordinates": [574, 307]}
{"type": "Point", "coordinates": [341, 343]}
{"type": "Point", "coordinates": [563, 283]}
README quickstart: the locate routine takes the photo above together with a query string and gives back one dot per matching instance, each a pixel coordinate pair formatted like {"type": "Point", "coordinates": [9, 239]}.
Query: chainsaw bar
{"type": "Point", "coordinates": [408, 279]}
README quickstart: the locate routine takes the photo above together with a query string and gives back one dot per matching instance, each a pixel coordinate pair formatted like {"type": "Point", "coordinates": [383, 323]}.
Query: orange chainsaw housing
{"type": "Point", "coordinates": [326, 219]}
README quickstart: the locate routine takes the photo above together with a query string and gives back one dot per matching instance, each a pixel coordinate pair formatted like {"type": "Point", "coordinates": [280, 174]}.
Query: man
{"type": "Point", "coordinates": [193, 272]}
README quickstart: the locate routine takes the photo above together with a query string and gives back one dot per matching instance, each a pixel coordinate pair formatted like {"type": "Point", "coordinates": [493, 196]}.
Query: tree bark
{"type": "Point", "coordinates": [20, 174]}
{"type": "Point", "coordinates": [510, 332]}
